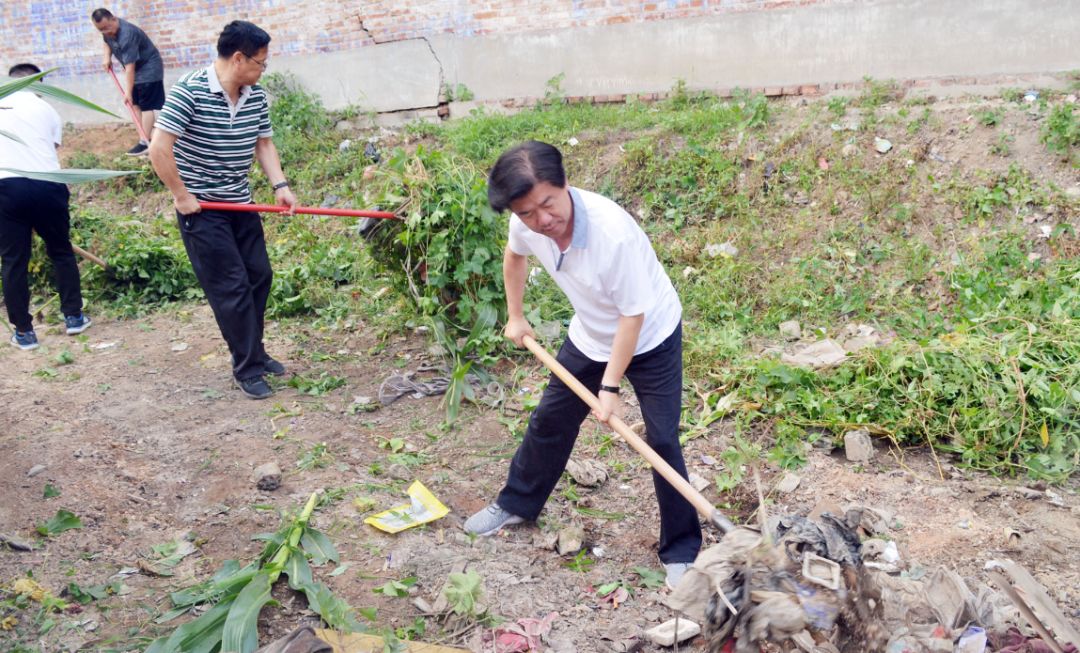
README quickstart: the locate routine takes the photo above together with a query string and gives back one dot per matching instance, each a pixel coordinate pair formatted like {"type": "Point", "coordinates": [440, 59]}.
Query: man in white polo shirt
{"type": "Point", "coordinates": [627, 321]}
{"type": "Point", "coordinates": [28, 205]}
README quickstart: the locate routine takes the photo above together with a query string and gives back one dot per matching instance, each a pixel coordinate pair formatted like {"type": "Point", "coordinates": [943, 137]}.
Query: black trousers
{"type": "Point", "coordinates": [553, 428]}
{"type": "Point", "coordinates": [228, 253]}
{"type": "Point", "coordinates": [28, 205]}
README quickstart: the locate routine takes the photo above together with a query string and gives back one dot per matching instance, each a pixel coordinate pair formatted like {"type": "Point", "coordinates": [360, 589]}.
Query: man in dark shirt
{"type": "Point", "coordinates": [143, 71]}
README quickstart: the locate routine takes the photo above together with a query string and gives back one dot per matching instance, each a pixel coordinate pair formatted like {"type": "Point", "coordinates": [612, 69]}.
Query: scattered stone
{"type": "Point", "coordinates": [399, 472]}
{"type": "Point", "coordinates": [549, 541]}
{"type": "Point", "coordinates": [712, 250]}
{"type": "Point", "coordinates": [180, 346]}
{"type": "Point", "coordinates": [698, 482]}
{"type": "Point", "coordinates": [571, 539]}
{"type": "Point", "coordinates": [1028, 493]}
{"type": "Point", "coordinates": [882, 145]}
{"type": "Point", "coordinates": [571, 141]}
{"type": "Point", "coordinates": [850, 150]}
{"type": "Point", "coordinates": [344, 145]}
{"type": "Point", "coordinates": [1031, 96]}
{"type": "Point", "coordinates": [706, 459]}
{"type": "Point", "coordinates": [858, 448]}
{"type": "Point", "coordinates": [788, 484]}
{"type": "Point", "coordinates": [791, 330]}
{"type": "Point", "coordinates": [672, 631]}
{"type": "Point", "coordinates": [850, 126]}
{"type": "Point", "coordinates": [268, 476]}
{"type": "Point", "coordinates": [35, 470]}
{"type": "Point", "coordinates": [1055, 498]}
{"type": "Point", "coordinates": [816, 355]}
{"type": "Point", "coordinates": [15, 542]}
{"type": "Point", "coordinates": [422, 605]}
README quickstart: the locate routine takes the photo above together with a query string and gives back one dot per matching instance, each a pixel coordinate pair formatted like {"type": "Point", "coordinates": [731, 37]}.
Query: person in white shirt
{"type": "Point", "coordinates": [627, 321]}
{"type": "Point", "coordinates": [28, 205]}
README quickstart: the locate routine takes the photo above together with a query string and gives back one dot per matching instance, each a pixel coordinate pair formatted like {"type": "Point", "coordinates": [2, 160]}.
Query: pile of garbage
{"type": "Point", "coordinates": [836, 584]}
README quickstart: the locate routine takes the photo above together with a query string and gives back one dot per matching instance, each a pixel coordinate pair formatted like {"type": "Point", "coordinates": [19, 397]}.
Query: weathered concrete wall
{"type": "Point", "coordinates": [389, 56]}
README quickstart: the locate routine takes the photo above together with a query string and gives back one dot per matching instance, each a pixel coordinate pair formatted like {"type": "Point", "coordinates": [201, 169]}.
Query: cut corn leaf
{"type": "Point", "coordinates": [12, 136]}
{"type": "Point", "coordinates": [201, 635]}
{"type": "Point", "coordinates": [241, 633]}
{"type": "Point", "coordinates": [71, 176]}
{"type": "Point", "coordinates": [319, 547]}
{"type": "Point", "coordinates": [67, 97]}
{"type": "Point", "coordinates": [298, 570]}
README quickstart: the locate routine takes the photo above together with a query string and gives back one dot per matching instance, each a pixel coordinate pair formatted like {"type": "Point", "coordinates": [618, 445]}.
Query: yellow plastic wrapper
{"type": "Point", "coordinates": [422, 508]}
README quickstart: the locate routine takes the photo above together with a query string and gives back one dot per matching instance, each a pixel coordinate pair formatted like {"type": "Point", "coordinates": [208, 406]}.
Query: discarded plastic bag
{"type": "Point", "coordinates": [422, 508]}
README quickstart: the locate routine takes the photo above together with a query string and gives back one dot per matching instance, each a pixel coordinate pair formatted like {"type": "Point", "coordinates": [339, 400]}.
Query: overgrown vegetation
{"type": "Point", "coordinates": [982, 304]}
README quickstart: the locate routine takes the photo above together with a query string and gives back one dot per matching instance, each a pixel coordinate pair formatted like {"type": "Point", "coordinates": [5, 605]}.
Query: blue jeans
{"type": "Point", "coordinates": [656, 376]}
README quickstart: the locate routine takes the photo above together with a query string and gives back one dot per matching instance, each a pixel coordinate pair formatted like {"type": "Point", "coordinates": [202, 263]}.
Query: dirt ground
{"type": "Point", "coordinates": [145, 439]}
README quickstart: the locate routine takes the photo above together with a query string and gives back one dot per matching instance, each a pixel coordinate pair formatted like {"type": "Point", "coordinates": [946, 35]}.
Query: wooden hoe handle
{"type": "Point", "coordinates": [696, 499]}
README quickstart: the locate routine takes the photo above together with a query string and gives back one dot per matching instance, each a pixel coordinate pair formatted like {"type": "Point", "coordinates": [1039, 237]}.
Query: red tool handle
{"type": "Point", "coordinates": [131, 107]}
{"type": "Point", "coordinates": [273, 208]}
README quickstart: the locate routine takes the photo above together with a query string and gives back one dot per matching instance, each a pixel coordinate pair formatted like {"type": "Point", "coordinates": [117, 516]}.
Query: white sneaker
{"type": "Point", "coordinates": [490, 520]}
{"type": "Point", "coordinates": [675, 572]}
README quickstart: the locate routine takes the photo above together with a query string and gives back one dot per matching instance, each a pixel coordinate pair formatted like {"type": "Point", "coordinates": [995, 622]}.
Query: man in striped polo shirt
{"type": "Point", "coordinates": [214, 122]}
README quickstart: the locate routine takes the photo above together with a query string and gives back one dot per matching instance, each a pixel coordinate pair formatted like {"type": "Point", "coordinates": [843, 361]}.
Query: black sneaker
{"type": "Point", "coordinates": [272, 367]}
{"type": "Point", "coordinates": [254, 387]}
{"type": "Point", "coordinates": [140, 149]}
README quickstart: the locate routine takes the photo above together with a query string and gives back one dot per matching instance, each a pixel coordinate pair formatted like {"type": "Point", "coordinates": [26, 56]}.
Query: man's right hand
{"type": "Point", "coordinates": [516, 329]}
{"type": "Point", "coordinates": [187, 204]}
{"type": "Point", "coordinates": [108, 64]}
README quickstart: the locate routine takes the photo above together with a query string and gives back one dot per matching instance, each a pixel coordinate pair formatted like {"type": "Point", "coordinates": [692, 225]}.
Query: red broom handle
{"type": "Point", "coordinates": [131, 107]}
{"type": "Point", "coordinates": [308, 210]}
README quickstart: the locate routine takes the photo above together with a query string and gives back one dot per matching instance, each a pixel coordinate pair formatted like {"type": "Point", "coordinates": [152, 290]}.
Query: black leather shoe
{"type": "Point", "coordinates": [272, 367]}
{"type": "Point", "coordinates": [254, 387]}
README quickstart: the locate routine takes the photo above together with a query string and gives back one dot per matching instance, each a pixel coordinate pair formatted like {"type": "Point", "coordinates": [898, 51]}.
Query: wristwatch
{"type": "Point", "coordinates": [280, 185]}
{"type": "Point", "coordinates": [613, 389]}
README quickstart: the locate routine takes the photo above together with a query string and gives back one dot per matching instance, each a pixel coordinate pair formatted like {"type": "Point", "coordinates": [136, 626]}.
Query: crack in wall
{"type": "Point", "coordinates": [441, 90]}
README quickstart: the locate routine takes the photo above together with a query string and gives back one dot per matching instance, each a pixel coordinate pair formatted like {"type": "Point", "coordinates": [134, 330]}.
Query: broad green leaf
{"type": "Point", "coordinates": [298, 570]}
{"type": "Point", "coordinates": [241, 633]}
{"type": "Point", "coordinates": [170, 615]}
{"type": "Point", "coordinates": [60, 522]}
{"type": "Point", "coordinates": [650, 578]}
{"type": "Point", "coordinates": [337, 614]}
{"type": "Point", "coordinates": [51, 491]}
{"type": "Point", "coordinates": [69, 98]}
{"type": "Point", "coordinates": [12, 136]}
{"type": "Point", "coordinates": [72, 176]}
{"type": "Point", "coordinates": [319, 547]}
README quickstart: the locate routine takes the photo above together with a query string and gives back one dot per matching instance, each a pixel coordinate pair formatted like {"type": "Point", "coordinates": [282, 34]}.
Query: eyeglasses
{"type": "Point", "coordinates": [264, 64]}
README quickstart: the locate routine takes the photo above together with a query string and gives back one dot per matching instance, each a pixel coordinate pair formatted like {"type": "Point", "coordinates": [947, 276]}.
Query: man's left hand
{"type": "Point", "coordinates": [285, 197]}
{"type": "Point", "coordinates": [610, 404]}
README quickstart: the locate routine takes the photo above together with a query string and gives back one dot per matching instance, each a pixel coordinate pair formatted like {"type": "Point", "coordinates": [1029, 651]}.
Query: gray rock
{"type": "Point", "coordinates": [858, 447]}
{"type": "Point", "coordinates": [672, 631]}
{"type": "Point", "coordinates": [850, 150]}
{"type": "Point", "coordinates": [15, 542]}
{"type": "Point", "coordinates": [571, 540]}
{"type": "Point", "coordinates": [268, 476]}
{"type": "Point", "coordinates": [35, 470]}
{"type": "Point", "coordinates": [788, 484]}
{"type": "Point", "coordinates": [882, 145]}
{"type": "Point", "coordinates": [791, 330]}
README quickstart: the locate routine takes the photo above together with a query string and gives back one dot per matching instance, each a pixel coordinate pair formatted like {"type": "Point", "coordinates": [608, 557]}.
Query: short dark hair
{"type": "Point", "coordinates": [100, 15]}
{"type": "Point", "coordinates": [522, 167]}
{"type": "Point", "coordinates": [241, 36]}
{"type": "Point", "coordinates": [23, 70]}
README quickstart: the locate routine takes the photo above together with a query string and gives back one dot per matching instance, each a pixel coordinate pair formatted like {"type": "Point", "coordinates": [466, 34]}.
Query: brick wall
{"type": "Point", "coordinates": [58, 33]}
